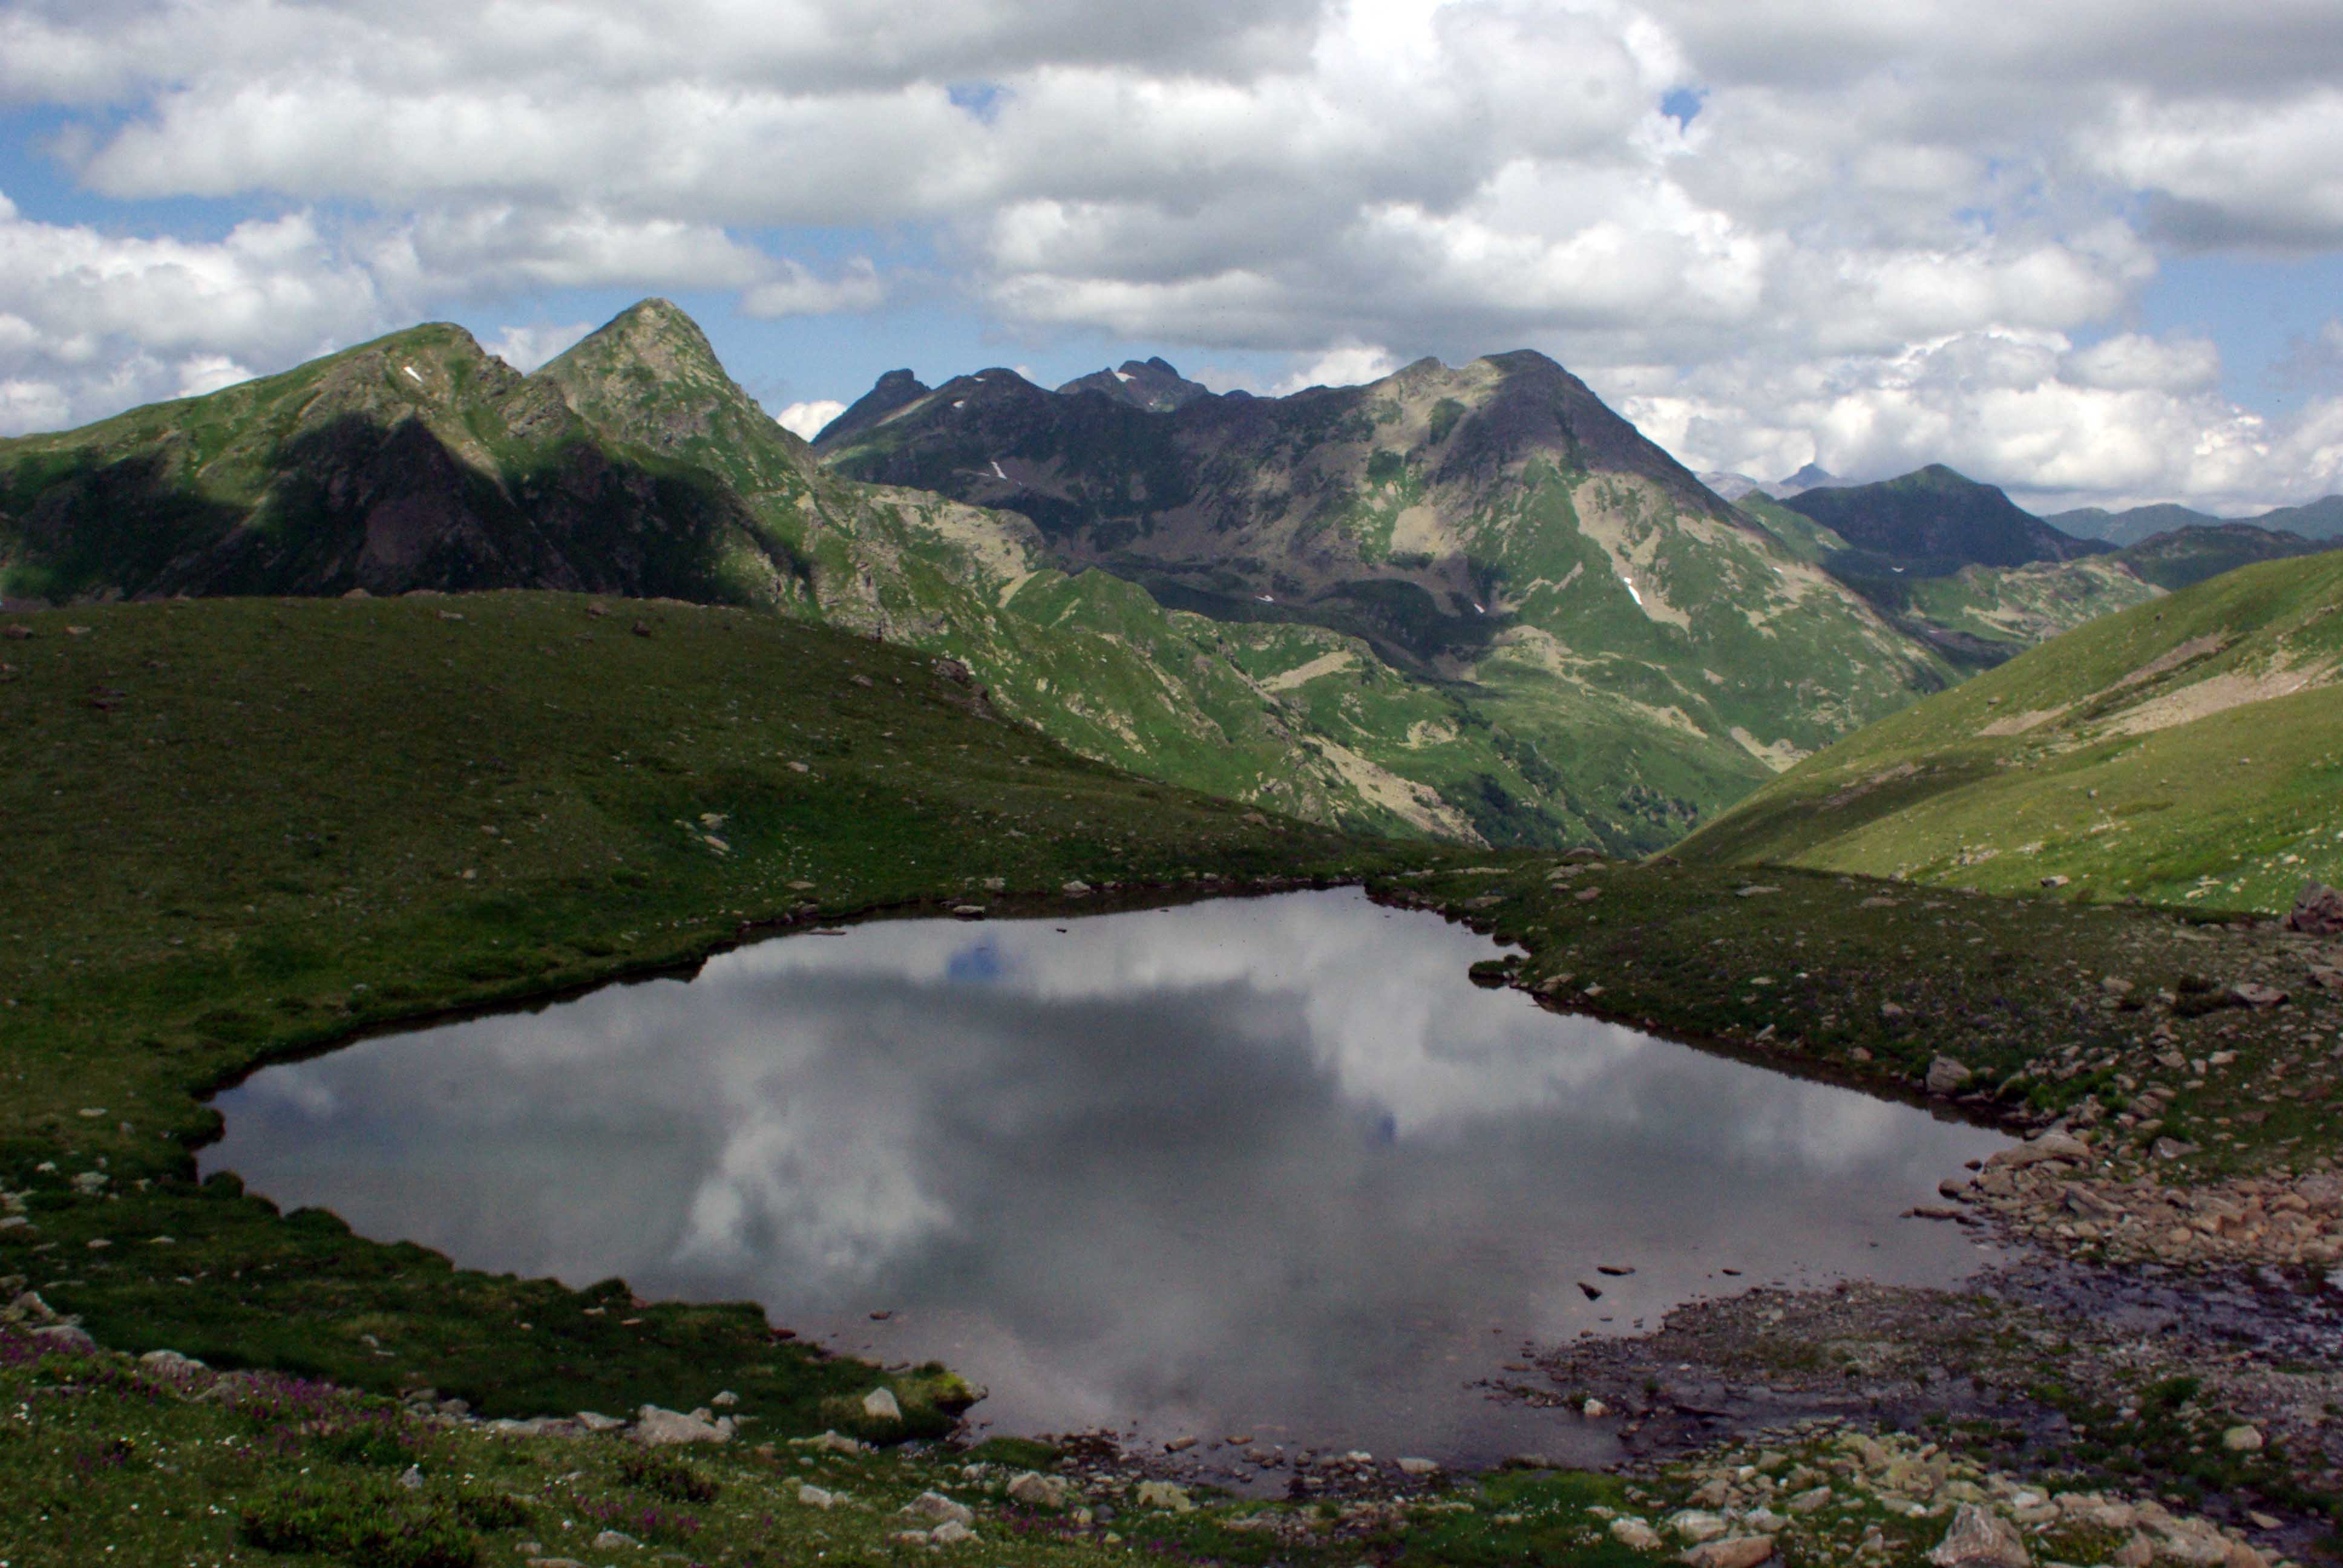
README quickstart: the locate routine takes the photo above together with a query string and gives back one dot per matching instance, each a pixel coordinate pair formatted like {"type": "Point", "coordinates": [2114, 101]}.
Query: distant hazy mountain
{"type": "Point", "coordinates": [2320, 519]}
{"type": "Point", "coordinates": [1933, 522]}
{"type": "Point", "coordinates": [1149, 384]}
{"type": "Point", "coordinates": [1735, 487]}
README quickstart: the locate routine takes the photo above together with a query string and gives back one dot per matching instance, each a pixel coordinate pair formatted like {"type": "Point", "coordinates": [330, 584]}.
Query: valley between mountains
{"type": "Point", "coordinates": [403, 686]}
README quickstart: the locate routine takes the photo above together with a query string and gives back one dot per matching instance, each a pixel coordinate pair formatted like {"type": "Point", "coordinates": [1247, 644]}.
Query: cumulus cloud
{"type": "Point", "coordinates": [1847, 200]}
{"type": "Point", "coordinates": [526, 347]}
{"type": "Point", "coordinates": [91, 323]}
{"type": "Point", "coordinates": [799, 291]}
{"type": "Point", "coordinates": [806, 419]}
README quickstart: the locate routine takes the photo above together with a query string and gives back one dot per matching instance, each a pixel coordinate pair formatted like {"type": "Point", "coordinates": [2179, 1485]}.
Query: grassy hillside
{"type": "Point", "coordinates": [2187, 750]}
{"type": "Point", "coordinates": [243, 827]}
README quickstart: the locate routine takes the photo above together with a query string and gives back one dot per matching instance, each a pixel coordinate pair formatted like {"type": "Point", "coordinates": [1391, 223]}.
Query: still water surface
{"type": "Point", "coordinates": [1268, 1166]}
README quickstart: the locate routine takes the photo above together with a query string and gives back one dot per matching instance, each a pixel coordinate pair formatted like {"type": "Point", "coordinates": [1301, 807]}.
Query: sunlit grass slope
{"type": "Point", "coordinates": [2188, 749]}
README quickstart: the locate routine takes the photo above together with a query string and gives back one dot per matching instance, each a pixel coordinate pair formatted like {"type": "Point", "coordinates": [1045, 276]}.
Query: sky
{"type": "Point", "coordinates": [2090, 252]}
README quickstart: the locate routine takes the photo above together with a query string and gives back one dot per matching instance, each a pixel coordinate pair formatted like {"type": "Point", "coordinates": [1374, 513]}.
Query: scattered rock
{"type": "Point", "coordinates": [612, 1541]}
{"type": "Point", "coordinates": [411, 1478]}
{"type": "Point", "coordinates": [64, 1337]}
{"type": "Point", "coordinates": [1036, 1490]}
{"type": "Point", "coordinates": [1419, 1467]}
{"type": "Point", "coordinates": [1179, 1444]}
{"type": "Point", "coordinates": [726, 1400]}
{"type": "Point", "coordinates": [1694, 1525]}
{"type": "Point", "coordinates": [879, 1404]}
{"type": "Point", "coordinates": [2048, 1146]}
{"type": "Point", "coordinates": [2317, 910]}
{"type": "Point", "coordinates": [2056, 881]}
{"type": "Point", "coordinates": [595, 1420]}
{"type": "Point", "coordinates": [1733, 1552]}
{"type": "Point", "coordinates": [816, 1497]}
{"type": "Point", "coordinates": [1754, 891]}
{"type": "Point", "coordinates": [656, 1428]}
{"type": "Point", "coordinates": [1163, 1494]}
{"type": "Point", "coordinates": [1594, 1409]}
{"type": "Point", "coordinates": [936, 1507]}
{"type": "Point", "coordinates": [2253, 994]}
{"type": "Point", "coordinates": [1634, 1534]}
{"type": "Point", "coordinates": [950, 1532]}
{"type": "Point", "coordinates": [2242, 1439]}
{"type": "Point", "coordinates": [1947, 1077]}
{"type": "Point", "coordinates": [1075, 888]}
{"type": "Point", "coordinates": [1980, 1538]}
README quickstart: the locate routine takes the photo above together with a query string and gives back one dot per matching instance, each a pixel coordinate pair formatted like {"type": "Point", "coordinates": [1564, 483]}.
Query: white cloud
{"type": "Point", "coordinates": [91, 323]}
{"type": "Point", "coordinates": [526, 347]}
{"type": "Point", "coordinates": [1346, 365]}
{"type": "Point", "coordinates": [1868, 195]}
{"type": "Point", "coordinates": [799, 291]}
{"type": "Point", "coordinates": [806, 419]}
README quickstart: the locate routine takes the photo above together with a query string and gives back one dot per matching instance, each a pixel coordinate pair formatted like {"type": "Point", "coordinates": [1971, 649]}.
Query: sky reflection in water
{"type": "Point", "coordinates": [1268, 1165]}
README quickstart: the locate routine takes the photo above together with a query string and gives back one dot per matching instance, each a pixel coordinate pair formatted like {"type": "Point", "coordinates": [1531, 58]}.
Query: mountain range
{"type": "Point", "coordinates": [2320, 519]}
{"type": "Point", "coordinates": [1435, 703]}
{"type": "Point", "coordinates": [1470, 602]}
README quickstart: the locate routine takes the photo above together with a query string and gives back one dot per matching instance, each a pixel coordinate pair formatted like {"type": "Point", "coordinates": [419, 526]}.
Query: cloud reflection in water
{"type": "Point", "coordinates": [1270, 1163]}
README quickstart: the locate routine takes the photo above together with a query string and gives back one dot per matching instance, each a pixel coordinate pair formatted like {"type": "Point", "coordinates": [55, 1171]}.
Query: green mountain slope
{"type": "Point", "coordinates": [1588, 639]}
{"type": "Point", "coordinates": [2189, 750]}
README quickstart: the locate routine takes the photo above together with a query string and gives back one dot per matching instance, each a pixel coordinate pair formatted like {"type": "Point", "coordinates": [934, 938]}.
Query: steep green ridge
{"type": "Point", "coordinates": [241, 828]}
{"type": "Point", "coordinates": [1588, 641]}
{"type": "Point", "coordinates": [2189, 750]}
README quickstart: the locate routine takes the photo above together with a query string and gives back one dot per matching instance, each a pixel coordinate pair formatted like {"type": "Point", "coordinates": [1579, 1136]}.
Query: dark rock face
{"type": "Point", "coordinates": [2317, 910]}
{"type": "Point", "coordinates": [894, 390]}
{"type": "Point", "coordinates": [1933, 522]}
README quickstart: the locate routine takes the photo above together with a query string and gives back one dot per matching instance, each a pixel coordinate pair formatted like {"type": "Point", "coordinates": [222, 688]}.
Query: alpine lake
{"type": "Point", "coordinates": [1269, 1169]}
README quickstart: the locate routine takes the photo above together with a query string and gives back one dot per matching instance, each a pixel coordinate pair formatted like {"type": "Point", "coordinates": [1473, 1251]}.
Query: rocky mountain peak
{"type": "Point", "coordinates": [1151, 384]}
{"type": "Point", "coordinates": [894, 390]}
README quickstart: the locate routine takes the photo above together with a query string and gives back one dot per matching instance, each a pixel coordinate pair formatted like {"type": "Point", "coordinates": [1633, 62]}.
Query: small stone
{"type": "Point", "coordinates": [816, 1497]}
{"type": "Point", "coordinates": [656, 1428]}
{"type": "Point", "coordinates": [1419, 1467]}
{"type": "Point", "coordinates": [1946, 1077]}
{"type": "Point", "coordinates": [2254, 994]}
{"type": "Point", "coordinates": [1036, 1490]}
{"type": "Point", "coordinates": [1806, 1502]}
{"type": "Point", "coordinates": [1980, 1538]}
{"type": "Point", "coordinates": [950, 1532]}
{"type": "Point", "coordinates": [1594, 1409]}
{"type": "Point", "coordinates": [1634, 1534]}
{"type": "Point", "coordinates": [1180, 1445]}
{"type": "Point", "coordinates": [936, 1507]}
{"type": "Point", "coordinates": [1733, 1552]}
{"type": "Point", "coordinates": [2317, 910]}
{"type": "Point", "coordinates": [1694, 1525]}
{"type": "Point", "coordinates": [411, 1478]}
{"type": "Point", "coordinates": [64, 1337]}
{"type": "Point", "coordinates": [2242, 1439]}
{"type": "Point", "coordinates": [612, 1541]}
{"type": "Point", "coordinates": [1163, 1494]}
{"type": "Point", "coordinates": [879, 1404]}
{"type": "Point", "coordinates": [726, 1400]}
{"type": "Point", "coordinates": [595, 1420]}
{"type": "Point", "coordinates": [1074, 889]}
